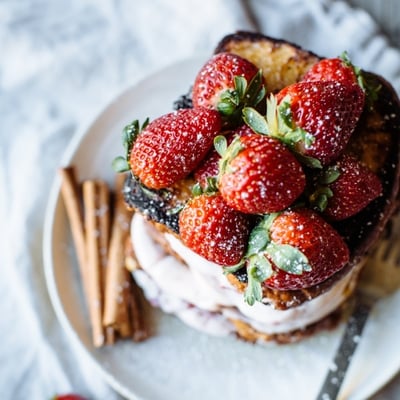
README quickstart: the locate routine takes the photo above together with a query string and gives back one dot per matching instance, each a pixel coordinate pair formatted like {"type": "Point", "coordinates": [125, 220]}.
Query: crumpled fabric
{"type": "Point", "coordinates": [60, 63]}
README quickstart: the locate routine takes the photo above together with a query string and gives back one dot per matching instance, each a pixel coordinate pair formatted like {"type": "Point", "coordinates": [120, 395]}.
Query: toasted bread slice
{"type": "Point", "coordinates": [282, 63]}
{"type": "Point", "coordinates": [376, 143]}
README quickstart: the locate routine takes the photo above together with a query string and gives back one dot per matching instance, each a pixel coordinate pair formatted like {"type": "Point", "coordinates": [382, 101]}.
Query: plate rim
{"type": "Point", "coordinates": [54, 198]}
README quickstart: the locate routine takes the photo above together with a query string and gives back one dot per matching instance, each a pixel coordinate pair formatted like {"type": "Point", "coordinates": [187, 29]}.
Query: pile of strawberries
{"type": "Point", "coordinates": [272, 170]}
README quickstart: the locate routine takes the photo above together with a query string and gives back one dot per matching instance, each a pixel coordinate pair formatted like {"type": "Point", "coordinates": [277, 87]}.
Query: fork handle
{"type": "Point", "coordinates": [344, 353]}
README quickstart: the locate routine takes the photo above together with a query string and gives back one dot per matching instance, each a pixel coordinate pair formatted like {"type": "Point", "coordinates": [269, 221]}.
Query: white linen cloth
{"type": "Point", "coordinates": [61, 61]}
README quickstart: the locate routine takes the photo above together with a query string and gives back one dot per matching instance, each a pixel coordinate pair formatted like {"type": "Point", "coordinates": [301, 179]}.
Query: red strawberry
{"type": "Point", "coordinates": [333, 69]}
{"type": "Point", "coordinates": [260, 175]}
{"type": "Point", "coordinates": [353, 189]}
{"type": "Point", "coordinates": [209, 168]}
{"type": "Point", "coordinates": [216, 87]}
{"type": "Point", "coordinates": [171, 146]}
{"type": "Point", "coordinates": [209, 227]}
{"type": "Point", "coordinates": [323, 247]}
{"type": "Point", "coordinates": [326, 111]}
{"type": "Point", "coordinates": [292, 250]}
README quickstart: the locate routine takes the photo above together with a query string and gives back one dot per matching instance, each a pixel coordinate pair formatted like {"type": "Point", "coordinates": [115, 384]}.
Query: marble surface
{"type": "Point", "coordinates": [62, 61]}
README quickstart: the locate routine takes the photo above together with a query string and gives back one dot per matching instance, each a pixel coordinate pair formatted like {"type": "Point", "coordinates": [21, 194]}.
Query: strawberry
{"type": "Point", "coordinates": [345, 188]}
{"type": "Point", "coordinates": [226, 83]}
{"type": "Point", "coordinates": [172, 146]}
{"type": "Point", "coordinates": [324, 248]}
{"type": "Point", "coordinates": [326, 112]}
{"type": "Point", "coordinates": [69, 396]}
{"type": "Point", "coordinates": [260, 175]}
{"type": "Point", "coordinates": [209, 167]}
{"type": "Point", "coordinates": [212, 229]}
{"type": "Point", "coordinates": [292, 250]}
{"type": "Point", "coordinates": [334, 69]}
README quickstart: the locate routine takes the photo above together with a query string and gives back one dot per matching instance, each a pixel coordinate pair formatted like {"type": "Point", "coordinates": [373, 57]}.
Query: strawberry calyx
{"type": "Point", "coordinates": [210, 188]}
{"type": "Point", "coordinates": [244, 94]}
{"type": "Point", "coordinates": [357, 70]}
{"type": "Point", "coordinates": [261, 250]}
{"type": "Point", "coordinates": [370, 88]}
{"type": "Point", "coordinates": [322, 192]}
{"type": "Point", "coordinates": [227, 153]}
{"type": "Point", "coordinates": [129, 135]}
{"type": "Point", "coordinates": [278, 123]}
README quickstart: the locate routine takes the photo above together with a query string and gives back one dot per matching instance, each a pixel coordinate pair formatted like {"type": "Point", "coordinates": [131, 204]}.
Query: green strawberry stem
{"type": "Point", "coordinates": [210, 188]}
{"type": "Point", "coordinates": [260, 251]}
{"type": "Point", "coordinates": [278, 123]}
{"type": "Point", "coordinates": [258, 270]}
{"type": "Point", "coordinates": [322, 193]}
{"type": "Point", "coordinates": [370, 87]}
{"type": "Point", "coordinates": [243, 95]}
{"type": "Point", "coordinates": [129, 135]}
{"type": "Point", "coordinates": [227, 153]}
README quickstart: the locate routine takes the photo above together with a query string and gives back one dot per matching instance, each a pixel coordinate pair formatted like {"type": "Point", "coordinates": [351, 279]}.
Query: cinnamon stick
{"type": "Point", "coordinates": [137, 311]}
{"type": "Point", "coordinates": [115, 266]}
{"type": "Point", "coordinates": [124, 324]}
{"type": "Point", "coordinates": [92, 205]}
{"type": "Point", "coordinates": [72, 201]}
{"type": "Point", "coordinates": [104, 223]}
{"type": "Point", "coordinates": [114, 301]}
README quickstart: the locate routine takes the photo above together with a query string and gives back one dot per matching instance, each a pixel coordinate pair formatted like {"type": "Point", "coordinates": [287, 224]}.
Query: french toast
{"type": "Point", "coordinates": [374, 143]}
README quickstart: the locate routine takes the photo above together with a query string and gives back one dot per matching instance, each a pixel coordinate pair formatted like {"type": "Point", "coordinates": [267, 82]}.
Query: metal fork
{"type": "Point", "coordinates": [380, 277]}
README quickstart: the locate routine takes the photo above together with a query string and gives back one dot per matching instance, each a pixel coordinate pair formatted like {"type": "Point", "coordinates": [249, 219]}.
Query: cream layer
{"type": "Point", "coordinates": [198, 292]}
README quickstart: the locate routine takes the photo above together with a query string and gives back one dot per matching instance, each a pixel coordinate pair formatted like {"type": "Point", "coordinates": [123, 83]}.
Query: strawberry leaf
{"type": "Point", "coordinates": [227, 106]}
{"type": "Point", "coordinates": [319, 199]}
{"type": "Point", "coordinates": [212, 185]}
{"type": "Point", "coordinates": [285, 113]}
{"type": "Point", "coordinates": [308, 161]}
{"type": "Point", "coordinates": [279, 124]}
{"type": "Point", "coordinates": [119, 164]}
{"type": "Point", "coordinates": [129, 135]}
{"type": "Point", "coordinates": [210, 188]}
{"type": "Point", "coordinates": [329, 175]}
{"type": "Point", "coordinates": [258, 270]}
{"type": "Point", "coordinates": [321, 202]}
{"type": "Point", "coordinates": [373, 88]}
{"type": "Point", "coordinates": [259, 236]}
{"type": "Point", "coordinates": [255, 121]}
{"type": "Point", "coordinates": [288, 258]}
{"type": "Point", "coordinates": [228, 154]}
{"type": "Point", "coordinates": [258, 240]}
{"type": "Point", "coordinates": [244, 95]}
{"type": "Point", "coordinates": [175, 210]}
{"type": "Point", "coordinates": [261, 94]}
{"type": "Point", "coordinates": [234, 268]}
{"type": "Point", "coordinates": [197, 189]}
{"type": "Point", "coordinates": [220, 145]}
{"type": "Point", "coordinates": [255, 91]}
{"type": "Point", "coordinates": [370, 88]}
{"type": "Point", "coordinates": [240, 86]}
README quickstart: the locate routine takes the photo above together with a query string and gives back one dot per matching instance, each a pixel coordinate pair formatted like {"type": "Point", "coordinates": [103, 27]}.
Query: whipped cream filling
{"type": "Point", "coordinates": [198, 292]}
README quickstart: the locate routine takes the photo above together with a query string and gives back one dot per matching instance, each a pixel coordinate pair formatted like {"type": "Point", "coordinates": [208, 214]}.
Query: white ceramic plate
{"type": "Point", "coordinates": [178, 362]}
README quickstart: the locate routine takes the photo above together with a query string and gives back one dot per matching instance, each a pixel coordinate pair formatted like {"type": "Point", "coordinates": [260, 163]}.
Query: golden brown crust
{"type": "Point", "coordinates": [282, 63]}
{"type": "Point", "coordinates": [285, 299]}
{"type": "Point", "coordinates": [246, 332]}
